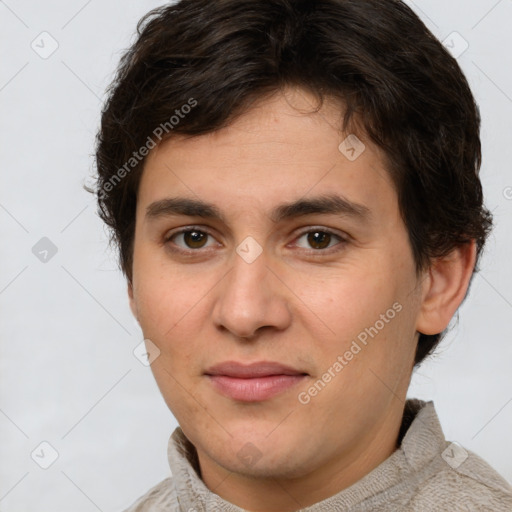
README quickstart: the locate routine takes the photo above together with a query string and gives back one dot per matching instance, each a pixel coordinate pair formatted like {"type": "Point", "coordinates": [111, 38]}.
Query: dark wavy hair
{"type": "Point", "coordinates": [392, 76]}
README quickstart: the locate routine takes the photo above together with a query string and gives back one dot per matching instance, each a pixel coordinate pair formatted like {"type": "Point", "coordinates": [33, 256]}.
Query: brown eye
{"type": "Point", "coordinates": [319, 239]}
{"type": "Point", "coordinates": [194, 239]}
{"type": "Point", "coordinates": [189, 239]}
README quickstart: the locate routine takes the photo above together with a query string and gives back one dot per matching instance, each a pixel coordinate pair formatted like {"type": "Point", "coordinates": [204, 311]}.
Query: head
{"type": "Point", "coordinates": [348, 155]}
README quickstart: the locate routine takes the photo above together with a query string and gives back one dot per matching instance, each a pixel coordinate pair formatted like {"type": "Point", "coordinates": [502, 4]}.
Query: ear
{"type": "Point", "coordinates": [133, 306]}
{"type": "Point", "coordinates": [445, 287]}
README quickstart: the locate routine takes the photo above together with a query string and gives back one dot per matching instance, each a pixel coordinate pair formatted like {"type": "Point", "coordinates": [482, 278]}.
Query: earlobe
{"type": "Point", "coordinates": [445, 288]}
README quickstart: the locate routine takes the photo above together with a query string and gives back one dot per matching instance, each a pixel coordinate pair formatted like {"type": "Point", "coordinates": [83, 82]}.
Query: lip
{"type": "Point", "coordinates": [254, 382]}
{"type": "Point", "coordinates": [252, 370]}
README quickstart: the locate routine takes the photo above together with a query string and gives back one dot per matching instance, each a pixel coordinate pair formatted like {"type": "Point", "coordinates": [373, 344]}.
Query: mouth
{"type": "Point", "coordinates": [255, 382]}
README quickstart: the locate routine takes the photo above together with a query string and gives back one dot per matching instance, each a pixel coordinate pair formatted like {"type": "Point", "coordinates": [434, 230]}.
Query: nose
{"type": "Point", "coordinates": [251, 298]}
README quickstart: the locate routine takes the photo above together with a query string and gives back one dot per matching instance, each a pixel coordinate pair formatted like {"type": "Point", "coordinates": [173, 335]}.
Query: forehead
{"type": "Point", "coordinates": [278, 152]}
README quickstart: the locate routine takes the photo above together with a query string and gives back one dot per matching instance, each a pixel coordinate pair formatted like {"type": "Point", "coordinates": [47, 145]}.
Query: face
{"type": "Point", "coordinates": [273, 272]}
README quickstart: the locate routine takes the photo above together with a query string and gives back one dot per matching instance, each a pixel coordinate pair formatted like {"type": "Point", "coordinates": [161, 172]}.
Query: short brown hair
{"type": "Point", "coordinates": [216, 56]}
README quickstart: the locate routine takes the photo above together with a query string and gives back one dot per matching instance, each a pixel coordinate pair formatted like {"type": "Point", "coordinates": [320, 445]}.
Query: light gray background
{"type": "Point", "coordinates": [67, 372]}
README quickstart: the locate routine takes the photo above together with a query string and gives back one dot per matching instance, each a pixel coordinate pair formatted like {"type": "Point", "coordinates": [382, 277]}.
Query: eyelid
{"type": "Point", "coordinates": [323, 229]}
{"type": "Point", "coordinates": [178, 231]}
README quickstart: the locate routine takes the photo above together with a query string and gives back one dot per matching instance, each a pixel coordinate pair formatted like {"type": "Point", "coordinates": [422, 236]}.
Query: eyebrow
{"type": "Point", "coordinates": [326, 204]}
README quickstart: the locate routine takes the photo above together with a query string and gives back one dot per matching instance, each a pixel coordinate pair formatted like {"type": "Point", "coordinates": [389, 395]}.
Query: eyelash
{"type": "Point", "coordinates": [314, 252]}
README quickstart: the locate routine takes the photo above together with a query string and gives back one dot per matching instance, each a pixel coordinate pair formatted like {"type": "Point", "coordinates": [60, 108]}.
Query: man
{"type": "Point", "coordinates": [293, 186]}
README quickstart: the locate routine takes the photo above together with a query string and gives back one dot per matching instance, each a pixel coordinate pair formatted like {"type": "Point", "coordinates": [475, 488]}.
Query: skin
{"type": "Point", "coordinates": [299, 303]}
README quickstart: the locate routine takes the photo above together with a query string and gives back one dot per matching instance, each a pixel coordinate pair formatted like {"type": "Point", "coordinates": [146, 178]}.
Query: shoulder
{"type": "Point", "coordinates": [161, 497]}
{"type": "Point", "coordinates": [463, 482]}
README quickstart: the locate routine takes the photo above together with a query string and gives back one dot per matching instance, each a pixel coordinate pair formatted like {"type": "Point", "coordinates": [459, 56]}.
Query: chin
{"type": "Point", "coordinates": [259, 454]}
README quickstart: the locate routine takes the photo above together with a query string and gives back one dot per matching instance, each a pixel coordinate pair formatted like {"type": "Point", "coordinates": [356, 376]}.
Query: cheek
{"type": "Point", "coordinates": [174, 310]}
{"type": "Point", "coordinates": [157, 307]}
{"type": "Point", "coordinates": [163, 295]}
{"type": "Point", "coordinates": [370, 317]}
{"type": "Point", "coordinates": [351, 301]}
